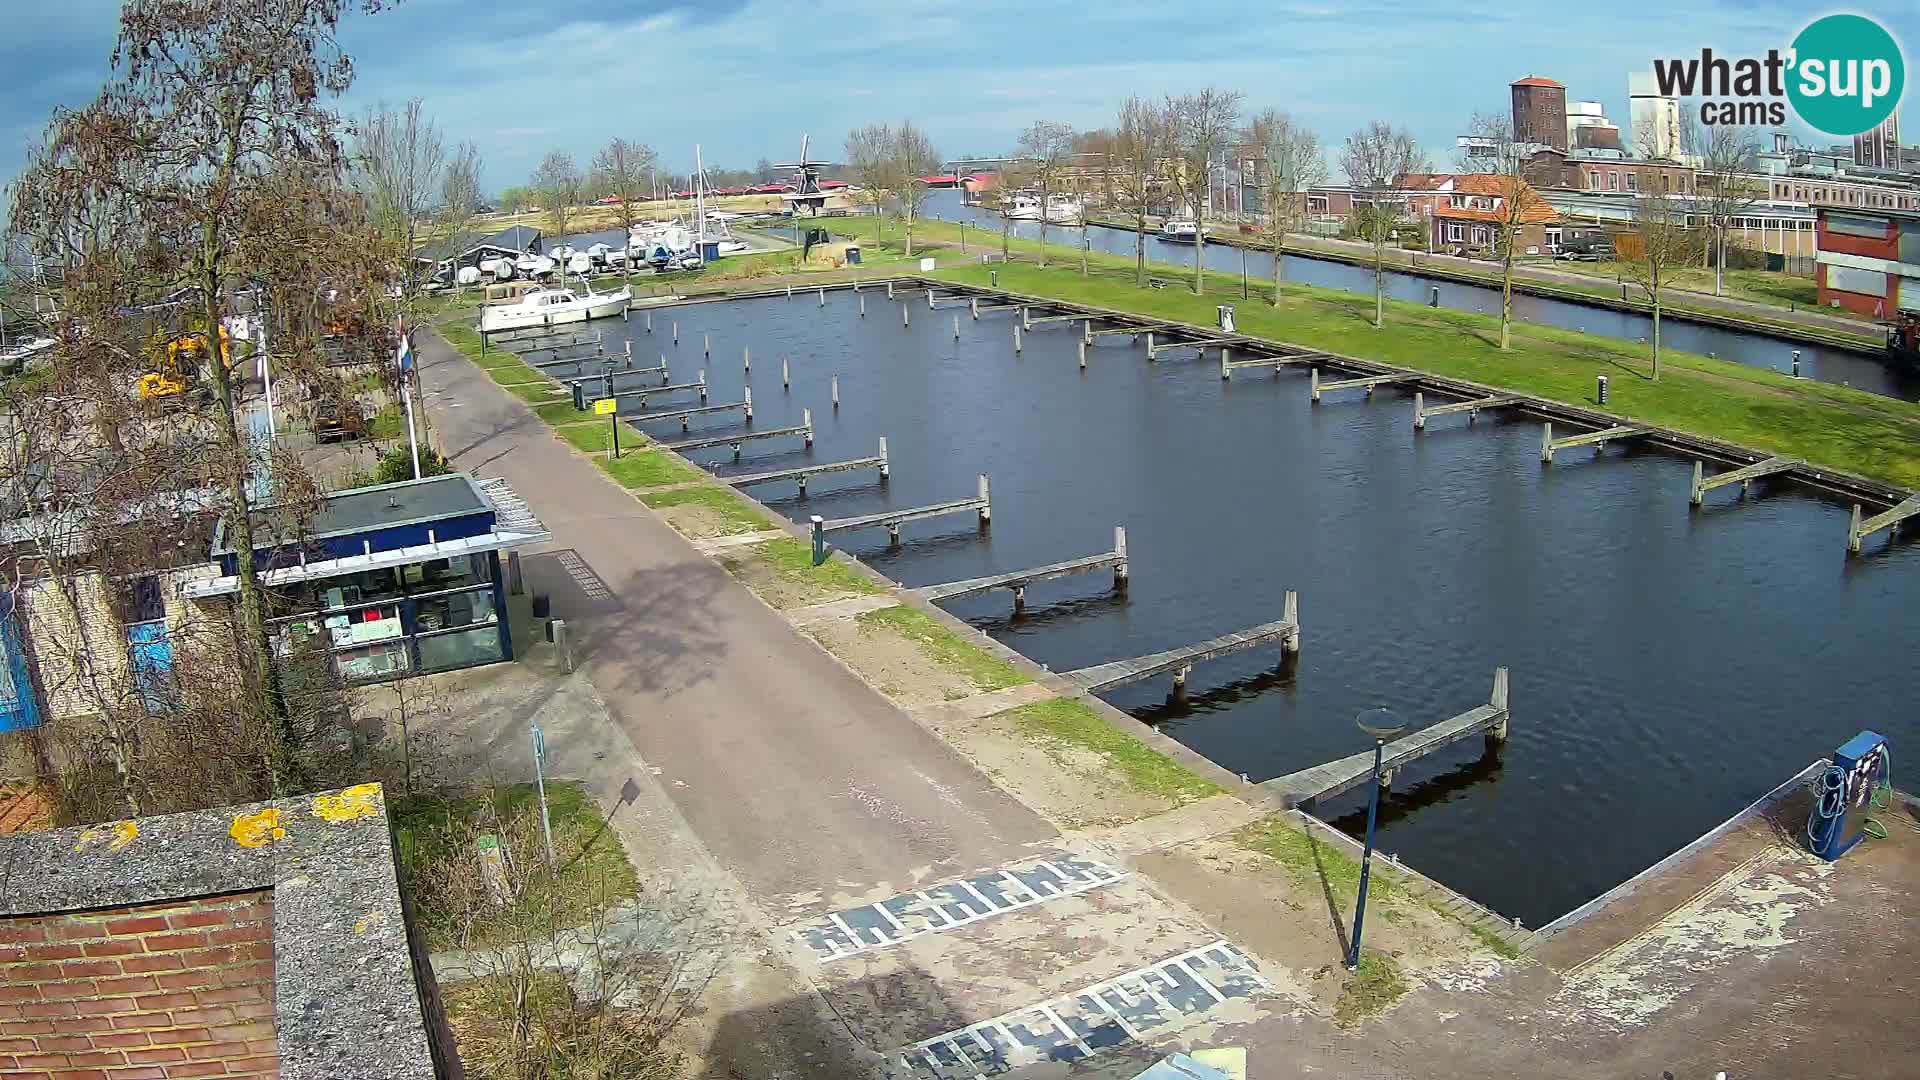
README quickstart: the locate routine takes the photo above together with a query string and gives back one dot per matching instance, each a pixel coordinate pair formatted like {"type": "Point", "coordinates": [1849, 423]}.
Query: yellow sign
{"type": "Point", "coordinates": [604, 406]}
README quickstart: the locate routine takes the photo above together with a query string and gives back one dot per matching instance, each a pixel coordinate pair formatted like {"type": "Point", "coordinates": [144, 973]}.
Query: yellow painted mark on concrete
{"type": "Point", "coordinates": [258, 829]}
{"type": "Point", "coordinates": [348, 804]}
{"type": "Point", "coordinates": [368, 921]}
{"type": "Point", "coordinates": [115, 834]}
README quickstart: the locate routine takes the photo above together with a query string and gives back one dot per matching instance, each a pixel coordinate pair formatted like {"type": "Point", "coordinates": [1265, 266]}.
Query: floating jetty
{"type": "Point", "coordinates": [1018, 580]}
{"type": "Point", "coordinates": [1343, 774]}
{"type": "Point", "coordinates": [1117, 673]}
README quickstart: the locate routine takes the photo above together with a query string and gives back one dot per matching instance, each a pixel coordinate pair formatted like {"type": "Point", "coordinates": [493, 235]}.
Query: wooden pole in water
{"type": "Point", "coordinates": [863, 307]}
{"type": "Point", "coordinates": [823, 297]}
{"type": "Point", "coordinates": [806, 420]}
{"type": "Point", "coordinates": [785, 383]}
{"type": "Point", "coordinates": [956, 328]}
{"type": "Point", "coordinates": [649, 322]}
{"type": "Point", "coordinates": [1149, 345]}
{"type": "Point", "coordinates": [889, 288]}
{"type": "Point", "coordinates": [706, 344]}
{"type": "Point", "coordinates": [906, 314]}
{"type": "Point", "coordinates": [1225, 371]}
{"type": "Point", "coordinates": [1083, 354]}
{"type": "Point", "coordinates": [883, 459]}
{"type": "Point", "coordinates": [1016, 337]}
{"type": "Point", "coordinates": [676, 331]}
{"type": "Point", "coordinates": [703, 386]}
{"type": "Point", "coordinates": [986, 502]}
{"type": "Point", "coordinates": [1419, 411]}
{"type": "Point", "coordinates": [1120, 549]}
{"type": "Point", "coordinates": [973, 306]}
{"type": "Point", "coordinates": [836, 391]}
{"type": "Point", "coordinates": [748, 392]}
{"type": "Point", "coordinates": [746, 359]}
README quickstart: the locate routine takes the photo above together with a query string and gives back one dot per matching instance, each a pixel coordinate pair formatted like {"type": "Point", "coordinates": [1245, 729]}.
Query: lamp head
{"type": "Point", "coordinates": [1380, 722]}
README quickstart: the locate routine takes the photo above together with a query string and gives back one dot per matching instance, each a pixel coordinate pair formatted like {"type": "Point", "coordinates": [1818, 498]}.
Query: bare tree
{"type": "Point", "coordinates": [1664, 241]}
{"type": "Point", "coordinates": [1141, 149]}
{"type": "Point", "coordinates": [1013, 176]}
{"type": "Point", "coordinates": [557, 185]}
{"type": "Point", "coordinates": [1202, 123]}
{"type": "Point", "coordinates": [914, 159]}
{"type": "Point", "coordinates": [1724, 185]}
{"type": "Point", "coordinates": [1288, 164]}
{"type": "Point", "coordinates": [397, 158]}
{"type": "Point", "coordinates": [621, 170]}
{"type": "Point", "coordinates": [1047, 147]}
{"type": "Point", "coordinates": [1376, 158]}
{"type": "Point", "coordinates": [460, 199]}
{"type": "Point", "coordinates": [1515, 202]}
{"type": "Point", "coordinates": [869, 150]}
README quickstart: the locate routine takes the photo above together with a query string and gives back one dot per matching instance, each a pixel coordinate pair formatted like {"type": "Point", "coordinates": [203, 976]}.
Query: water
{"type": "Point", "coordinates": [1668, 666]}
{"type": "Point", "coordinates": [1757, 350]}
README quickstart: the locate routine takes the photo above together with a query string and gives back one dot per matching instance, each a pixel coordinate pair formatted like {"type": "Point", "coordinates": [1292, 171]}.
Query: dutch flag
{"type": "Point", "coordinates": [405, 357]}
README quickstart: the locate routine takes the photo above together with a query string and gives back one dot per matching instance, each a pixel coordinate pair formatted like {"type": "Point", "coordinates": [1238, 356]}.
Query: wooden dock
{"type": "Point", "coordinates": [1471, 407]}
{"type": "Point", "coordinates": [1858, 530]}
{"type": "Point", "coordinates": [1276, 362]}
{"type": "Point", "coordinates": [801, 473]}
{"type": "Point", "coordinates": [1327, 780]}
{"type": "Point", "coordinates": [1201, 343]}
{"type": "Point", "coordinates": [1018, 580]}
{"type": "Point", "coordinates": [596, 355]}
{"type": "Point", "coordinates": [805, 431]}
{"type": "Point", "coordinates": [670, 388]}
{"type": "Point", "coordinates": [1030, 322]}
{"type": "Point", "coordinates": [980, 504]}
{"type": "Point", "coordinates": [1597, 439]}
{"type": "Point", "coordinates": [685, 416]}
{"type": "Point", "coordinates": [615, 374]}
{"type": "Point", "coordinates": [1116, 673]}
{"type": "Point", "coordinates": [1365, 382]}
{"type": "Point", "coordinates": [1743, 476]}
{"type": "Point", "coordinates": [550, 338]}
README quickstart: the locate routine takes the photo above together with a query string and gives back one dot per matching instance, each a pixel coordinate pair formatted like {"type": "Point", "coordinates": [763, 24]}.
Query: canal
{"type": "Point", "coordinates": [1668, 665]}
{"type": "Point", "coordinates": [1758, 350]}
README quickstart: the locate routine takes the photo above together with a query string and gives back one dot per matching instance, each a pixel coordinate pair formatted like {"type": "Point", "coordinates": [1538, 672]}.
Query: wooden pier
{"type": "Point", "coordinates": [1890, 519]}
{"type": "Point", "coordinates": [980, 504]}
{"type": "Point", "coordinates": [1018, 580]}
{"type": "Point", "coordinates": [805, 431]}
{"type": "Point", "coordinates": [1743, 476]}
{"type": "Point", "coordinates": [1471, 407]}
{"type": "Point", "coordinates": [1365, 382]}
{"type": "Point", "coordinates": [803, 472]}
{"type": "Point", "coordinates": [1332, 778]}
{"type": "Point", "coordinates": [671, 388]}
{"type": "Point", "coordinates": [1597, 439]}
{"type": "Point", "coordinates": [551, 339]}
{"type": "Point", "coordinates": [576, 362]}
{"type": "Point", "coordinates": [614, 376]}
{"type": "Point", "coordinates": [1027, 319]}
{"type": "Point", "coordinates": [685, 416]}
{"type": "Point", "coordinates": [1276, 362]}
{"type": "Point", "coordinates": [1202, 344]}
{"type": "Point", "coordinates": [1116, 673]}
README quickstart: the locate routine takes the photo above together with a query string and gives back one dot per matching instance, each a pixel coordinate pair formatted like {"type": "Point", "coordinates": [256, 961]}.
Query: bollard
{"type": "Point", "coordinates": [748, 398]}
{"type": "Point", "coordinates": [819, 540]}
{"type": "Point", "coordinates": [784, 382]}
{"type": "Point", "coordinates": [561, 645]}
{"type": "Point", "coordinates": [1796, 363]}
{"type": "Point", "coordinates": [993, 278]}
{"type": "Point", "coordinates": [806, 421]}
{"type": "Point", "coordinates": [883, 459]}
{"type": "Point", "coordinates": [986, 502]}
{"type": "Point", "coordinates": [1600, 388]}
{"type": "Point", "coordinates": [836, 391]}
{"type": "Point", "coordinates": [1434, 299]}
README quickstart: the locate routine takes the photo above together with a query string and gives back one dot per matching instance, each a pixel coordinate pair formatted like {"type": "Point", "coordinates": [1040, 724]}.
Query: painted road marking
{"type": "Point", "coordinates": [952, 904]}
{"type": "Point", "coordinates": [1081, 1024]}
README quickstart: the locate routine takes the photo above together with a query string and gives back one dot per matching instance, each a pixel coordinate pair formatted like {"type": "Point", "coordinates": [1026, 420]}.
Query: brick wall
{"type": "Point", "coordinates": [182, 989]}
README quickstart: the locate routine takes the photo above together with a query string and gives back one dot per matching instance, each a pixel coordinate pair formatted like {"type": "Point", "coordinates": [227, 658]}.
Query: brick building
{"type": "Point", "coordinates": [1869, 260]}
{"type": "Point", "coordinates": [1540, 112]}
{"type": "Point", "coordinates": [1475, 208]}
{"type": "Point", "coordinates": [267, 940]}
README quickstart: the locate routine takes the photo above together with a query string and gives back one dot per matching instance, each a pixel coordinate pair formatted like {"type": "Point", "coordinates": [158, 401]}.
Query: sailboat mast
{"type": "Point", "coordinates": [700, 201]}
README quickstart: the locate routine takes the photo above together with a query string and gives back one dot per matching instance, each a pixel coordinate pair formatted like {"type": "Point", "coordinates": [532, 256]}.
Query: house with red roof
{"type": "Point", "coordinates": [1474, 207]}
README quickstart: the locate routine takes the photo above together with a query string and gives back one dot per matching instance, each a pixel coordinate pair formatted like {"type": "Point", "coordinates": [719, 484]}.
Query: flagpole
{"type": "Point", "coordinates": [413, 441]}
{"type": "Point", "coordinates": [409, 373]}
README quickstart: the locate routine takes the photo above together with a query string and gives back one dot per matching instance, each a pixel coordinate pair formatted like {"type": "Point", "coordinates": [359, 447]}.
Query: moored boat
{"type": "Point", "coordinates": [554, 307]}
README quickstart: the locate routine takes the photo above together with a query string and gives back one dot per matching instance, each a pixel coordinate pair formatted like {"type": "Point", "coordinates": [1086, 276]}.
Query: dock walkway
{"type": "Point", "coordinates": [1018, 580]}
{"type": "Point", "coordinates": [981, 503]}
{"type": "Point", "coordinates": [1117, 673]}
{"type": "Point", "coordinates": [803, 472]}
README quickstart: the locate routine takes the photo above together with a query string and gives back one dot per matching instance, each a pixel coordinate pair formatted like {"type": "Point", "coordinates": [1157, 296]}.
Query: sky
{"type": "Point", "coordinates": [745, 79]}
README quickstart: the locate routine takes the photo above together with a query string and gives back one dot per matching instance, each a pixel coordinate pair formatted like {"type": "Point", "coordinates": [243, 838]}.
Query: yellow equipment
{"type": "Point", "coordinates": [179, 363]}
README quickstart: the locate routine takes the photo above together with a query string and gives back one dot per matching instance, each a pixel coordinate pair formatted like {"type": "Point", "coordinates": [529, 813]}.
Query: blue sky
{"type": "Point", "coordinates": [744, 78]}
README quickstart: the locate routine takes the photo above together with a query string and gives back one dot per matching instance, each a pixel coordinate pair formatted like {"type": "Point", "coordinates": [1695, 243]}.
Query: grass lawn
{"type": "Point", "coordinates": [387, 423]}
{"type": "Point", "coordinates": [593, 436]}
{"type": "Point", "coordinates": [793, 559]}
{"type": "Point", "coordinates": [436, 832]}
{"type": "Point", "coordinates": [1369, 990]}
{"type": "Point", "coordinates": [1070, 723]}
{"type": "Point", "coordinates": [957, 654]}
{"type": "Point", "coordinates": [650, 469]}
{"type": "Point", "coordinates": [556, 410]}
{"type": "Point", "coordinates": [1829, 425]}
{"type": "Point", "coordinates": [735, 516]}
{"type": "Point", "coordinates": [1308, 859]}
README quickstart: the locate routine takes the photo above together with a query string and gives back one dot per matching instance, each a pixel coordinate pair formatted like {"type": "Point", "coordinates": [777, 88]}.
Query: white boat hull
{"type": "Point", "coordinates": [597, 306]}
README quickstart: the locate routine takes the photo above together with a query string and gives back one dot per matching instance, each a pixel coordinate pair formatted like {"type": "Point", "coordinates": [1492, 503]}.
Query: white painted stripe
{"type": "Point", "coordinates": [1117, 1018]}
{"type": "Point", "coordinates": [887, 914]}
{"type": "Point", "coordinates": [1008, 875]}
{"type": "Point", "coordinates": [984, 902]}
{"type": "Point", "coordinates": [1065, 1031]}
{"type": "Point", "coordinates": [1201, 979]}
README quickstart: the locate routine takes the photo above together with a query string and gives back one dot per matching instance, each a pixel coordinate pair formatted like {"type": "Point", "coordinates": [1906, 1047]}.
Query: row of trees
{"type": "Point", "coordinates": [889, 164]}
{"type": "Point", "coordinates": [622, 170]}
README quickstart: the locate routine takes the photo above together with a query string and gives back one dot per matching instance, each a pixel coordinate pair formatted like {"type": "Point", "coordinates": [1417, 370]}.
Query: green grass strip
{"type": "Point", "coordinates": [957, 654]}
{"type": "Point", "coordinates": [594, 435]}
{"type": "Point", "coordinates": [735, 516]}
{"type": "Point", "coordinates": [1068, 722]}
{"type": "Point", "coordinates": [650, 469]}
{"type": "Point", "coordinates": [793, 559]}
{"type": "Point", "coordinates": [1312, 861]}
{"type": "Point", "coordinates": [1376, 985]}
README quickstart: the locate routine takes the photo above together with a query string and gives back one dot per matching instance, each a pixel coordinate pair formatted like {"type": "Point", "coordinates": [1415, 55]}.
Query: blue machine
{"type": "Point", "coordinates": [1845, 792]}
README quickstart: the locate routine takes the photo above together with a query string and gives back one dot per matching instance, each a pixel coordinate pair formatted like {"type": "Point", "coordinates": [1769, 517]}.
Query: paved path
{"type": "Point", "coordinates": [795, 774]}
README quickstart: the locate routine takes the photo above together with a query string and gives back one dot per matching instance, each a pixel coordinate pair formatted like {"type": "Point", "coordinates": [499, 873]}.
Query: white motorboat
{"type": "Point", "coordinates": [554, 307]}
{"type": "Point", "coordinates": [467, 275]}
{"type": "Point", "coordinates": [580, 263]}
{"type": "Point", "coordinates": [1180, 230]}
{"type": "Point", "coordinates": [532, 265]}
{"type": "Point", "coordinates": [501, 269]}
{"type": "Point", "coordinates": [1023, 207]}
{"type": "Point", "coordinates": [1063, 209]}
{"type": "Point", "coordinates": [562, 253]}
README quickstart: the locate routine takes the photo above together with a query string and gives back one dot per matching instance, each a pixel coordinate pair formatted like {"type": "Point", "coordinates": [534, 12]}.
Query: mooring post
{"type": "Point", "coordinates": [986, 502]}
{"type": "Point", "coordinates": [1180, 679]}
{"type": "Point", "coordinates": [746, 360]}
{"type": "Point", "coordinates": [819, 540]}
{"type": "Point", "coordinates": [1120, 549]}
{"type": "Point", "coordinates": [706, 344]}
{"type": "Point", "coordinates": [789, 291]}
{"type": "Point", "coordinates": [784, 383]}
{"type": "Point", "coordinates": [836, 391]}
{"type": "Point", "coordinates": [626, 313]}
{"type": "Point", "coordinates": [806, 421]}
{"type": "Point", "coordinates": [863, 307]}
{"type": "Point", "coordinates": [1019, 599]}
{"type": "Point", "coordinates": [1225, 371]}
{"type": "Point", "coordinates": [956, 327]}
{"type": "Point", "coordinates": [1853, 531]}
{"type": "Point", "coordinates": [823, 297]}
{"type": "Point", "coordinates": [676, 332]}
{"type": "Point", "coordinates": [889, 288]}
{"type": "Point", "coordinates": [665, 378]}
{"type": "Point", "coordinates": [906, 314]}
{"type": "Point", "coordinates": [1016, 337]}
{"type": "Point", "coordinates": [1419, 411]}
{"type": "Point", "coordinates": [629, 348]}
{"type": "Point", "coordinates": [1696, 495]}
{"type": "Point", "coordinates": [893, 534]}
{"type": "Point", "coordinates": [1086, 331]}
{"type": "Point", "coordinates": [1083, 355]}
{"type": "Point", "coordinates": [1546, 444]}
{"type": "Point", "coordinates": [1314, 385]}
{"type": "Point", "coordinates": [929, 298]}
{"type": "Point", "coordinates": [1149, 345]}
{"type": "Point", "coordinates": [703, 386]}
{"type": "Point", "coordinates": [883, 459]}
{"type": "Point", "coordinates": [973, 306]}
{"type": "Point", "coordinates": [1026, 318]}
{"type": "Point", "coordinates": [1498, 732]}
{"type": "Point", "coordinates": [748, 401]}
{"type": "Point", "coordinates": [649, 322]}
{"type": "Point", "coordinates": [1290, 613]}
{"type": "Point", "coordinates": [803, 487]}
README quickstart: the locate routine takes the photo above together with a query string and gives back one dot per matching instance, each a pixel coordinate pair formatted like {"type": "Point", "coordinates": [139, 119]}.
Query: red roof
{"type": "Point", "coordinates": [1536, 212]}
{"type": "Point", "coordinates": [828, 185]}
{"type": "Point", "coordinates": [948, 179]}
{"type": "Point", "coordinates": [1535, 80]}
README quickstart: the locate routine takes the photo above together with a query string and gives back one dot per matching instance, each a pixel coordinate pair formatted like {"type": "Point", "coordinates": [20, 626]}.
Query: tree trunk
{"type": "Point", "coordinates": [1379, 280]}
{"type": "Point", "coordinates": [909, 223]}
{"type": "Point", "coordinates": [1506, 299]}
{"type": "Point", "coordinates": [1199, 243]}
{"type": "Point", "coordinates": [1279, 256]}
{"type": "Point", "coordinates": [1656, 335]}
{"type": "Point", "coordinates": [1006, 231]}
{"type": "Point", "coordinates": [1720, 263]}
{"type": "Point", "coordinates": [1140, 248]}
{"type": "Point", "coordinates": [1084, 247]}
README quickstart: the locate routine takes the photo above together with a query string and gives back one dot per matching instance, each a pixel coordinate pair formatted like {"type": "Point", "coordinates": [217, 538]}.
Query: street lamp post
{"type": "Point", "coordinates": [1382, 724]}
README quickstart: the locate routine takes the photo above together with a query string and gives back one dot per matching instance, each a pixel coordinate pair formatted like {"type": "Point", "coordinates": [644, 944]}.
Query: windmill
{"type": "Point", "coordinates": [806, 196]}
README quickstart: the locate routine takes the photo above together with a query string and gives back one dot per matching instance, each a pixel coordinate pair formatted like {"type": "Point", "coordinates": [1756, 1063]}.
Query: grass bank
{"type": "Point", "coordinates": [950, 650]}
{"type": "Point", "coordinates": [731, 516]}
{"type": "Point", "coordinates": [790, 562]}
{"type": "Point", "coordinates": [1832, 426]}
{"type": "Point", "coordinates": [1069, 724]}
